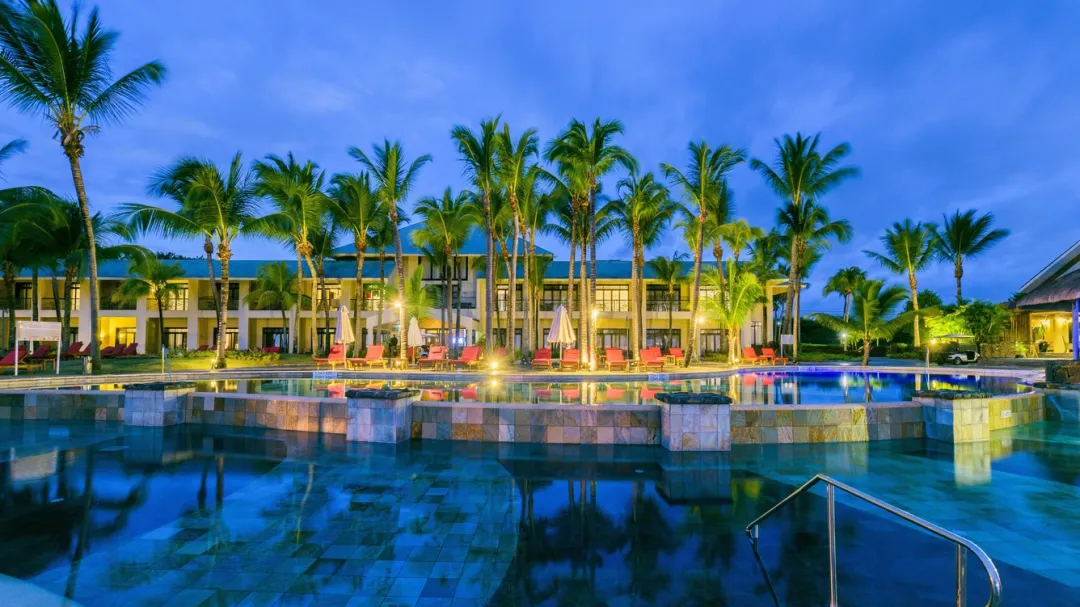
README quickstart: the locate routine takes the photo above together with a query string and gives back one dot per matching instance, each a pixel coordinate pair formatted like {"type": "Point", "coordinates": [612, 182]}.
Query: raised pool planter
{"type": "Point", "coordinates": [298, 413]}
{"type": "Point", "coordinates": [695, 421]}
{"type": "Point", "coordinates": [1062, 401]}
{"type": "Point", "coordinates": [839, 423]}
{"type": "Point", "coordinates": [964, 418]}
{"type": "Point", "coordinates": [379, 416]}
{"type": "Point", "coordinates": [158, 404]}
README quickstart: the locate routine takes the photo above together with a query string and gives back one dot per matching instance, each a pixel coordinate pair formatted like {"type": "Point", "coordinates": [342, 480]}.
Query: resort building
{"type": "Point", "coordinates": [190, 316]}
{"type": "Point", "coordinates": [1046, 307]}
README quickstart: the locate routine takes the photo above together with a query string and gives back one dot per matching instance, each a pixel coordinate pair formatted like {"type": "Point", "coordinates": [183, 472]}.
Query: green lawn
{"type": "Point", "coordinates": [152, 364]}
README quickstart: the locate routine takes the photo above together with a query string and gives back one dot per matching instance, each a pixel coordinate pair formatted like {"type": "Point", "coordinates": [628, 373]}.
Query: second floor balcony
{"type": "Point", "coordinates": [209, 303]}
{"type": "Point", "coordinates": [665, 305]}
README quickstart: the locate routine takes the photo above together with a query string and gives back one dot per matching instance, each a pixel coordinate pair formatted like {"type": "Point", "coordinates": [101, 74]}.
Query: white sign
{"type": "Point", "coordinates": [787, 339]}
{"type": "Point", "coordinates": [659, 376]}
{"type": "Point", "coordinates": [30, 330]}
{"type": "Point", "coordinates": [1007, 413]}
{"type": "Point", "coordinates": [323, 375]}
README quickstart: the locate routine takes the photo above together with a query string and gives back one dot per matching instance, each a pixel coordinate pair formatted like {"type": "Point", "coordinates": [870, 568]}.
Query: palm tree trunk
{"type": "Point", "coordinates": [34, 312]}
{"type": "Point", "coordinates": [299, 299]}
{"type": "Point", "coordinates": [399, 269]}
{"type": "Point", "coordinates": [570, 274]}
{"type": "Point", "coordinates": [88, 225]}
{"type": "Point", "coordinates": [382, 295]}
{"type": "Point", "coordinates": [635, 305]}
{"type": "Point", "coordinates": [592, 275]}
{"type": "Point", "coordinates": [912, 282]}
{"type": "Point", "coordinates": [360, 250]}
{"type": "Point", "coordinates": [444, 310]}
{"type": "Point", "coordinates": [958, 272]}
{"type": "Point", "coordinates": [866, 352]}
{"type": "Point", "coordinates": [224, 254]}
{"type": "Point", "coordinates": [796, 313]}
{"type": "Point", "coordinates": [502, 251]}
{"type": "Point", "coordinates": [512, 330]}
{"type": "Point", "coordinates": [583, 296]}
{"type": "Point", "coordinates": [56, 307]}
{"type": "Point", "coordinates": [314, 302]}
{"type": "Point", "coordinates": [718, 252]}
{"type": "Point", "coordinates": [793, 275]}
{"type": "Point", "coordinates": [526, 337]}
{"type": "Point", "coordinates": [670, 311]}
{"type": "Point", "coordinates": [691, 348]}
{"type": "Point", "coordinates": [642, 299]}
{"type": "Point", "coordinates": [161, 324]}
{"type": "Point", "coordinates": [732, 345]}
{"type": "Point", "coordinates": [70, 276]}
{"type": "Point", "coordinates": [457, 302]}
{"type": "Point", "coordinates": [9, 289]}
{"type": "Point", "coordinates": [489, 272]}
{"type": "Point", "coordinates": [208, 248]}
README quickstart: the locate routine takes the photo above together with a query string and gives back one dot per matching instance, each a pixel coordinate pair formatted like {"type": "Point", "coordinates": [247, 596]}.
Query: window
{"type": "Point", "coordinates": [713, 340]}
{"type": "Point", "coordinates": [612, 338]}
{"type": "Point", "coordinates": [756, 334]}
{"type": "Point", "coordinates": [24, 295]}
{"type": "Point", "coordinates": [663, 338]}
{"type": "Point", "coordinates": [175, 338]}
{"type": "Point", "coordinates": [552, 296]}
{"type": "Point", "coordinates": [76, 289]}
{"type": "Point", "coordinates": [706, 293]}
{"type": "Point", "coordinates": [275, 336]}
{"type": "Point", "coordinates": [372, 297]}
{"type": "Point", "coordinates": [502, 302]}
{"type": "Point", "coordinates": [439, 293]}
{"type": "Point", "coordinates": [330, 297]}
{"type": "Point", "coordinates": [232, 338]}
{"type": "Point", "coordinates": [657, 299]}
{"type": "Point", "coordinates": [177, 301]}
{"type": "Point", "coordinates": [125, 336]}
{"type": "Point", "coordinates": [612, 298]}
{"type": "Point", "coordinates": [234, 296]}
{"type": "Point", "coordinates": [325, 338]}
{"type": "Point", "coordinates": [500, 338]}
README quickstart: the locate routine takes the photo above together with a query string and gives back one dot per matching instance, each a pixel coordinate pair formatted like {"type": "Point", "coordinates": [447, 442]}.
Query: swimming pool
{"type": "Point", "coordinates": [219, 516]}
{"type": "Point", "coordinates": [766, 387]}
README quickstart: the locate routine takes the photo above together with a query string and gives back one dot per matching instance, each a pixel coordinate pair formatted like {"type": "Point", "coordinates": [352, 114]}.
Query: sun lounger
{"type": "Point", "coordinates": [674, 355]}
{"type": "Point", "coordinates": [435, 358]}
{"type": "Point", "coordinates": [333, 359]}
{"type": "Point", "coordinates": [130, 350]}
{"type": "Point", "coordinates": [204, 348]}
{"type": "Point", "coordinates": [72, 351]}
{"type": "Point", "coordinates": [111, 351]}
{"type": "Point", "coordinates": [542, 359]}
{"type": "Point", "coordinates": [8, 362]}
{"type": "Point", "coordinates": [571, 359]}
{"type": "Point", "coordinates": [614, 359]}
{"type": "Point", "coordinates": [750, 356]}
{"type": "Point", "coordinates": [651, 358]}
{"type": "Point", "coordinates": [470, 356]}
{"type": "Point", "coordinates": [373, 356]}
{"type": "Point", "coordinates": [770, 354]}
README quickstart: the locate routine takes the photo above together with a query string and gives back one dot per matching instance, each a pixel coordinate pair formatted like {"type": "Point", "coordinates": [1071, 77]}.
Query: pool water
{"type": "Point", "coordinates": [220, 516]}
{"type": "Point", "coordinates": [802, 387]}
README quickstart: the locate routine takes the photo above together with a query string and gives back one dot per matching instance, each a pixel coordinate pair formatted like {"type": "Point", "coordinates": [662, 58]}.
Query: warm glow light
{"type": "Point", "coordinates": [397, 304]}
{"type": "Point", "coordinates": [494, 365]}
{"type": "Point", "coordinates": [933, 342]}
{"type": "Point", "coordinates": [843, 336]}
{"type": "Point", "coordinates": [595, 313]}
{"type": "Point", "coordinates": [701, 319]}
{"type": "Point", "coordinates": [494, 383]}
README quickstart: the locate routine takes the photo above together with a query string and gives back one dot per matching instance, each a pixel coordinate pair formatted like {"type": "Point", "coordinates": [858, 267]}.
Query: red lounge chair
{"type": "Point", "coordinates": [651, 358]}
{"type": "Point", "coordinates": [469, 392]}
{"type": "Point", "coordinates": [42, 352]}
{"type": "Point", "coordinates": [333, 359]}
{"type": "Point", "coordinates": [8, 362]}
{"type": "Point", "coordinates": [615, 393]}
{"type": "Point", "coordinates": [571, 359]}
{"type": "Point", "coordinates": [571, 393]}
{"type": "Point", "coordinates": [266, 349]}
{"type": "Point", "coordinates": [130, 350]}
{"type": "Point", "coordinates": [374, 356]}
{"type": "Point", "coordinates": [470, 356]}
{"type": "Point", "coordinates": [648, 392]}
{"type": "Point", "coordinates": [614, 359]}
{"type": "Point", "coordinates": [542, 359]}
{"type": "Point", "coordinates": [85, 351]}
{"type": "Point", "coordinates": [204, 348]}
{"type": "Point", "coordinates": [111, 351]}
{"type": "Point", "coordinates": [750, 356]}
{"type": "Point", "coordinates": [749, 379]}
{"type": "Point", "coordinates": [435, 357]}
{"type": "Point", "coordinates": [674, 355]}
{"type": "Point", "coordinates": [771, 355]}
{"type": "Point", "coordinates": [72, 351]}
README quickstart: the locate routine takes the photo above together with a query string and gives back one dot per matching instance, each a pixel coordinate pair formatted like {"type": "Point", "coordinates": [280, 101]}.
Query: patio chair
{"type": "Point", "coordinates": [373, 356]}
{"type": "Point", "coordinates": [771, 355]}
{"type": "Point", "coordinates": [571, 360]}
{"type": "Point", "coordinates": [266, 349]}
{"type": "Point", "coordinates": [72, 351]}
{"type": "Point", "coordinates": [111, 351]}
{"type": "Point", "coordinates": [8, 362]}
{"type": "Point", "coordinates": [42, 352]}
{"type": "Point", "coordinates": [85, 351]}
{"type": "Point", "coordinates": [542, 359]}
{"type": "Point", "coordinates": [470, 356]}
{"type": "Point", "coordinates": [205, 347]}
{"type": "Point", "coordinates": [674, 355]}
{"type": "Point", "coordinates": [651, 358]}
{"type": "Point", "coordinates": [130, 350]}
{"type": "Point", "coordinates": [750, 356]}
{"type": "Point", "coordinates": [435, 358]}
{"type": "Point", "coordinates": [333, 359]}
{"type": "Point", "coordinates": [615, 360]}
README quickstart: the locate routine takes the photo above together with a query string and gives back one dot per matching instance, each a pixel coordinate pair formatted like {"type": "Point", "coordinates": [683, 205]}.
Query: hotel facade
{"type": "Point", "coordinates": [190, 319]}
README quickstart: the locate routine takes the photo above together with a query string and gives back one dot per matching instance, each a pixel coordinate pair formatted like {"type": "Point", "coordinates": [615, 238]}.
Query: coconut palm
{"type": "Point", "coordinates": [214, 205]}
{"type": "Point", "coordinates": [964, 236]}
{"type": "Point", "coordinates": [446, 227]}
{"type": "Point", "coordinates": [843, 283]}
{"type": "Point", "coordinates": [516, 164]}
{"type": "Point", "coordinates": [738, 235]}
{"type": "Point", "coordinates": [296, 192]}
{"type": "Point", "coordinates": [9, 149]}
{"type": "Point", "coordinates": [60, 69]}
{"type": "Point", "coordinates": [641, 213]}
{"type": "Point", "coordinates": [355, 208]}
{"type": "Point", "coordinates": [669, 272]}
{"type": "Point", "coordinates": [535, 207]}
{"type": "Point", "coordinates": [718, 217]}
{"type": "Point", "coordinates": [703, 184]}
{"type": "Point", "coordinates": [382, 239]}
{"type": "Point", "coordinates": [394, 177]}
{"type": "Point", "coordinates": [323, 238]}
{"type": "Point", "coordinates": [910, 247]}
{"type": "Point", "coordinates": [590, 155]}
{"type": "Point", "coordinates": [873, 314]}
{"type": "Point", "coordinates": [274, 289]}
{"type": "Point", "coordinates": [149, 278]}
{"type": "Point", "coordinates": [567, 196]}
{"type": "Point", "coordinates": [479, 153]}
{"type": "Point", "coordinates": [731, 310]}
{"type": "Point", "coordinates": [800, 175]}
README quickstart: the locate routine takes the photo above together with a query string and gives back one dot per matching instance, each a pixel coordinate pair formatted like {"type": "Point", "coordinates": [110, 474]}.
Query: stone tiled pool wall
{"type": "Point", "coordinates": [966, 420]}
{"type": "Point", "coordinates": [55, 405]}
{"type": "Point", "coordinates": [778, 424]}
{"type": "Point", "coordinates": [303, 414]}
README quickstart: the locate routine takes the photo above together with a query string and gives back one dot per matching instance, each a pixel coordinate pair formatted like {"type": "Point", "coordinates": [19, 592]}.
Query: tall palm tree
{"type": "Point", "coordinates": [478, 152]}
{"type": "Point", "coordinates": [703, 184]}
{"type": "Point", "coordinates": [738, 235]}
{"type": "Point", "coordinates": [799, 175]}
{"type": "Point", "coordinates": [535, 206]}
{"type": "Point", "coordinates": [52, 67]}
{"type": "Point", "coordinates": [323, 238]}
{"type": "Point", "coordinates": [641, 213]}
{"type": "Point", "coordinates": [718, 217]}
{"type": "Point", "coordinates": [297, 192]}
{"type": "Point", "coordinates": [669, 272]}
{"type": "Point", "coordinates": [355, 207]}
{"type": "Point", "coordinates": [394, 176]}
{"type": "Point", "coordinates": [591, 155]}
{"type": "Point", "coordinates": [732, 310]}
{"type": "Point", "coordinates": [910, 247]}
{"type": "Point", "coordinates": [215, 205]}
{"type": "Point", "coordinates": [446, 228]}
{"type": "Point", "coordinates": [873, 314]}
{"type": "Point", "coordinates": [567, 196]}
{"type": "Point", "coordinates": [843, 283]}
{"type": "Point", "coordinates": [516, 175]}
{"type": "Point", "coordinates": [150, 278]}
{"type": "Point", "coordinates": [382, 239]}
{"type": "Point", "coordinates": [964, 236]}
{"type": "Point", "coordinates": [274, 289]}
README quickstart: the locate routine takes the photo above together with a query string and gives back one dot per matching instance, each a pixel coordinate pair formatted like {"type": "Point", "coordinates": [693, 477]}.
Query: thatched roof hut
{"type": "Point", "coordinates": [1062, 290]}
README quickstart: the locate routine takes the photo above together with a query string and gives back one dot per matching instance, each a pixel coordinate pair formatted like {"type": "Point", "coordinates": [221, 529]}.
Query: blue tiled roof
{"type": "Point", "coordinates": [606, 269]}
{"type": "Point", "coordinates": [242, 269]}
{"type": "Point", "coordinates": [474, 244]}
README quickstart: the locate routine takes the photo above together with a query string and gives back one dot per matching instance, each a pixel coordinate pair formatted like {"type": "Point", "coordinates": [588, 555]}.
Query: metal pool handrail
{"type": "Point", "coordinates": [962, 544]}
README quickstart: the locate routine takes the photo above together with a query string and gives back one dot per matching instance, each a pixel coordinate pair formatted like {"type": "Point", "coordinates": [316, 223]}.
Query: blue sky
{"type": "Point", "coordinates": [946, 105]}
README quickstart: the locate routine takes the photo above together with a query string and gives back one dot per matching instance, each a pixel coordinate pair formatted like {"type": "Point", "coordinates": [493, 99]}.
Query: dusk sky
{"type": "Point", "coordinates": [947, 105]}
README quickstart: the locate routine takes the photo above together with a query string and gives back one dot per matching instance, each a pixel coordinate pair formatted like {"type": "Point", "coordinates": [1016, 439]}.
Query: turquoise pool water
{"type": "Point", "coordinates": [784, 387]}
{"type": "Point", "coordinates": [216, 516]}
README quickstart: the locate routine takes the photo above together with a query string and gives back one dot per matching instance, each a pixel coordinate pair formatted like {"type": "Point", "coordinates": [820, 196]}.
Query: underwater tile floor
{"type": "Point", "coordinates": [224, 516]}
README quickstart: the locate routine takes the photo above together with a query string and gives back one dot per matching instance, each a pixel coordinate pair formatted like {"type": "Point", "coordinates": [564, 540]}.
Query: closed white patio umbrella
{"type": "Point", "coordinates": [561, 332]}
{"type": "Point", "coordinates": [414, 336]}
{"type": "Point", "coordinates": [343, 331]}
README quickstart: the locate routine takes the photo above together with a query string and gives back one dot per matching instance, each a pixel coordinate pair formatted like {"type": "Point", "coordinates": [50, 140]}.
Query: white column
{"type": "Point", "coordinates": [242, 317]}
{"type": "Point", "coordinates": [767, 330]}
{"type": "Point", "coordinates": [141, 316]}
{"type": "Point", "coordinates": [193, 315]}
{"type": "Point", "coordinates": [83, 313]}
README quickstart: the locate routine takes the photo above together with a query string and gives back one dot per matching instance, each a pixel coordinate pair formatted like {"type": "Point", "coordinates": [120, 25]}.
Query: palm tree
{"type": "Point", "coordinates": [296, 191]}
{"type": "Point", "coordinates": [478, 152]}
{"type": "Point", "coordinates": [718, 217]}
{"type": "Point", "coordinates": [535, 208]}
{"type": "Point", "coordinates": [394, 181]}
{"type": "Point", "coordinates": [355, 207]}
{"type": "Point", "coordinates": [217, 206]}
{"type": "Point", "coordinates": [873, 314]}
{"type": "Point", "coordinates": [9, 149]}
{"type": "Point", "coordinates": [843, 283]}
{"type": "Point", "coordinates": [516, 175]}
{"type": "Point", "coordinates": [446, 228]}
{"type": "Point", "coordinates": [703, 184]}
{"type": "Point", "coordinates": [766, 254]}
{"type": "Point", "coordinates": [738, 235]}
{"type": "Point", "coordinates": [49, 67]}
{"type": "Point", "coordinates": [382, 238]}
{"type": "Point", "coordinates": [730, 311]}
{"type": "Point", "coordinates": [966, 235]}
{"type": "Point", "coordinates": [909, 248]}
{"type": "Point", "coordinates": [800, 175]}
{"type": "Point", "coordinates": [641, 213]}
{"type": "Point", "coordinates": [669, 272]}
{"type": "Point", "coordinates": [323, 238]}
{"type": "Point", "coordinates": [590, 155]}
{"type": "Point", "coordinates": [149, 278]}
{"type": "Point", "coordinates": [274, 289]}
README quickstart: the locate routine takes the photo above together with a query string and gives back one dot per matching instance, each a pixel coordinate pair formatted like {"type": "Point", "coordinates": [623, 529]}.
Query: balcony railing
{"type": "Point", "coordinates": [169, 305]}
{"type": "Point", "coordinates": [208, 303]}
{"type": "Point", "coordinates": [613, 306]}
{"type": "Point", "coordinates": [49, 304]}
{"type": "Point", "coordinates": [549, 305]}
{"type": "Point", "coordinates": [465, 303]}
{"type": "Point", "coordinates": [108, 303]}
{"type": "Point", "coordinates": [663, 305]}
{"type": "Point", "coordinates": [21, 303]}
